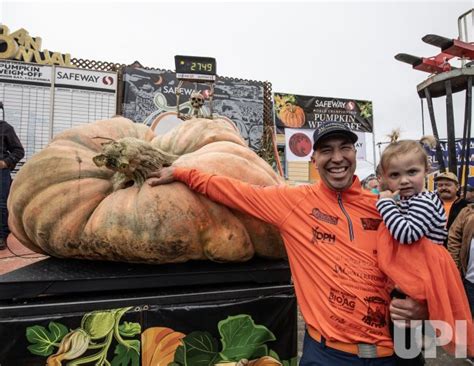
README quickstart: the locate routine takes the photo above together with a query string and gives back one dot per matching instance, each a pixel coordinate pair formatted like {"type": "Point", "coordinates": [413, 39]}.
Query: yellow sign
{"type": "Point", "coordinates": [19, 45]}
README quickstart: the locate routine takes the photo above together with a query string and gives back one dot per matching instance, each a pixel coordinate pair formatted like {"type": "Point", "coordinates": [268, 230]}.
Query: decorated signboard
{"type": "Point", "coordinates": [41, 100]}
{"type": "Point", "coordinates": [300, 111]}
{"type": "Point", "coordinates": [150, 98]}
{"type": "Point", "coordinates": [197, 333]}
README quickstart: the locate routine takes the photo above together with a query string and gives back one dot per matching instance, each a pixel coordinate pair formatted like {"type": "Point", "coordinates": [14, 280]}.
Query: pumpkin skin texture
{"type": "Point", "coordinates": [292, 115]}
{"type": "Point", "coordinates": [64, 205]}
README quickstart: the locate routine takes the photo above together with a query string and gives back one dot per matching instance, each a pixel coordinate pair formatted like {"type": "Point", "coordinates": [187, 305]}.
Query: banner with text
{"type": "Point", "coordinates": [444, 148]}
{"type": "Point", "coordinates": [300, 111]}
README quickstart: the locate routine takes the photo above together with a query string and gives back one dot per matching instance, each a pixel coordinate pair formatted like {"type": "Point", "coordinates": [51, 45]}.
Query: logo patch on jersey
{"type": "Point", "coordinates": [342, 300]}
{"type": "Point", "coordinates": [322, 237]}
{"type": "Point", "coordinates": [376, 312]}
{"type": "Point", "coordinates": [370, 224]}
{"type": "Point", "coordinates": [316, 213]}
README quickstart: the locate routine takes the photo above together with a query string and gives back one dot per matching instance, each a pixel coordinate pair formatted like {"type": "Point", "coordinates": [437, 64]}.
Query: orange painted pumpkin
{"type": "Point", "coordinates": [159, 346]}
{"type": "Point", "coordinates": [63, 204]}
{"type": "Point", "coordinates": [292, 115]}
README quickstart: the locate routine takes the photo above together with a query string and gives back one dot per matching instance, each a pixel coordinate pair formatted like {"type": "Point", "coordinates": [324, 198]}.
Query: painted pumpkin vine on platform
{"type": "Point", "coordinates": [84, 196]}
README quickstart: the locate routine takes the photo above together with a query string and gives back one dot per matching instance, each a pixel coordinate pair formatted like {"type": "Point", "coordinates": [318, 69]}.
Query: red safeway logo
{"type": "Point", "coordinates": [108, 80]}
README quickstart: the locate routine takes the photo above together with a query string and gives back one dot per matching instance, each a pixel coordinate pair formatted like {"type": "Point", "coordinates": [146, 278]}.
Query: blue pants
{"type": "Point", "coordinates": [317, 354]}
{"type": "Point", "coordinates": [5, 182]}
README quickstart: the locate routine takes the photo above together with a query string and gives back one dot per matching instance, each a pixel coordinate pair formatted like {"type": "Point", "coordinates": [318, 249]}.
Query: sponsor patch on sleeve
{"type": "Point", "coordinates": [370, 223]}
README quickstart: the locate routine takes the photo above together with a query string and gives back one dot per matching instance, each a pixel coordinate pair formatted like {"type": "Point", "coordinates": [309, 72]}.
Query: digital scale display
{"type": "Point", "coordinates": [195, 68]}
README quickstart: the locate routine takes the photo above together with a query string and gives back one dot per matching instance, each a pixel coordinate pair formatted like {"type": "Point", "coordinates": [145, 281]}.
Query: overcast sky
{"type": "Point", "coordinates": [333, 49]}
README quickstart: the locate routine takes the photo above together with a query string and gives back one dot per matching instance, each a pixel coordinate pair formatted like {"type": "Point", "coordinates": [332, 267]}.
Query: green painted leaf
{"type": "Point", "coordinates": [200, 349]}
{"type": "Point", "coordinates": [126, 356]}
{"type": "Point", "coordinates": [242, 338]}
{"type": "Point", "coordinates": [273, 354]}
{"type": "Point", "coordinates": [43, 340]}
{"type": "Point", "coordinates": [128, 329]}
{"type": "Point", "coordinates": [291, 362]}
{"type": "Point", "coordinates": [179, 355]}
{"type": "Point", "coordinates": [58, 331]}
{"type": "Point", "coordinates": [41, 349]}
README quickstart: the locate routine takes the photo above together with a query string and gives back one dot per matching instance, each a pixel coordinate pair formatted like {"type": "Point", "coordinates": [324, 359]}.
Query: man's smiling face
{"type": "Point", "coordinates": [335, 159]}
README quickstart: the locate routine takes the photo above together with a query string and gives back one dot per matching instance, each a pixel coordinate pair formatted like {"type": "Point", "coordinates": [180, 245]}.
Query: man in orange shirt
{"type": "Point", "coordinates": [330, 231]}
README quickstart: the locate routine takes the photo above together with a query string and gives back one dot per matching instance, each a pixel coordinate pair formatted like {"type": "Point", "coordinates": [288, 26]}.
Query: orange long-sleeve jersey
{"type": "Point", "coordinates": [330, 238]}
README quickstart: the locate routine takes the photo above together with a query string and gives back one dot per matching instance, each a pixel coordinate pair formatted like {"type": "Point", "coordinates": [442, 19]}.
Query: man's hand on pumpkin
{"type": "Point", "coordinates": [162, 176]}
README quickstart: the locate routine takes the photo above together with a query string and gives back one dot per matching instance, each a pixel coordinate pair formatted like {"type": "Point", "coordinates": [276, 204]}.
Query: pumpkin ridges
{"type": "Point", "coordinates": [195, 133]}
{"type": "Point", "coordinates": [227, 239]}
{"type": "Point", "coordinates": [155, 224]}
{"type": "Point", "coordinates": [224, 164]}
{"type": "Point", "coordinates": [45, 225]}
{"type": "Point", "coordinates": [237, 152]}
{"type": "Point", "coordinates": [117, 127]}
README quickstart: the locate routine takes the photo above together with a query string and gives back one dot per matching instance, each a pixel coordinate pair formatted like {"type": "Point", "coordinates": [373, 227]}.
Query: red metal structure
{"type": "Point", "coordinates": [443, 82]}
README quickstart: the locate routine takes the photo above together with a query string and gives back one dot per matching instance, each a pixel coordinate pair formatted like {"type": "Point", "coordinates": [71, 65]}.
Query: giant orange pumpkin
{"type": "Point", "coordinates": [63, 204]}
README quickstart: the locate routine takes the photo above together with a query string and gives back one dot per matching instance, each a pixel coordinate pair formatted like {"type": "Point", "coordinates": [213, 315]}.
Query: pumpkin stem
{"type": "Point", "coordinates": [132, 160]}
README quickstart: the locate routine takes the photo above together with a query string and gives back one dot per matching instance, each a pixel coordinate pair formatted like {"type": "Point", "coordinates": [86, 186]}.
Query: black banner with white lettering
{"type": "Point", "coordinates": [150, 98]}
{"type": "Point", "coordinates": [300, 111]}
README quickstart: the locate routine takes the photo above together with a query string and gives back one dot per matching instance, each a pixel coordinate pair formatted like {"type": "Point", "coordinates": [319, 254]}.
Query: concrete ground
{"type": "Point", "coordinates": [442, 359]}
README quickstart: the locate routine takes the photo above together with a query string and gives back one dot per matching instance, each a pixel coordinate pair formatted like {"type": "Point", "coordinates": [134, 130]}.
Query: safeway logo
{"type": "Point", "coordinates": [108, 80]}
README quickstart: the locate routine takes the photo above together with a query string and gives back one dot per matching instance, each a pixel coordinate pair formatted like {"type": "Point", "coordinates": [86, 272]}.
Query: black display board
{"type": "Point", "coordinates": [149, 97]}
{"type": "Point", "coordinates": [208, 312]}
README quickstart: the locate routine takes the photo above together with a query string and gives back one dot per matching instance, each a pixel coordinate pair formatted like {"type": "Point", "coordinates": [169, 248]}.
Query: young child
{"type": "Point", "coordinates": [402, 169]}
{"type": "Point", "coordinates": [424, 272]}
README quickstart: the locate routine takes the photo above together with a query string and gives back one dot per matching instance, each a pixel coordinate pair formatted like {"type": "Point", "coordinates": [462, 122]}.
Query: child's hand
{"type": "Point", "coordinates": [389, 194]}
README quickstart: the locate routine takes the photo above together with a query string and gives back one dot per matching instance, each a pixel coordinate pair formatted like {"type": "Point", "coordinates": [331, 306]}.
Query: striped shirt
{"type": "Point", "coordinates": [420, 215]}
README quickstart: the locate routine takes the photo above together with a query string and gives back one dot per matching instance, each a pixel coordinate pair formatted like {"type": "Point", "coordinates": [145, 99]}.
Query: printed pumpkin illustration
{"type": "Point", "coordinates": [99, 332]}
{"type": "Point", "coordinates": [292, 115]}
{"type": "Point", "coordinates": [159, 345]}
{"type": "Point", "coordinates": [85, 196]}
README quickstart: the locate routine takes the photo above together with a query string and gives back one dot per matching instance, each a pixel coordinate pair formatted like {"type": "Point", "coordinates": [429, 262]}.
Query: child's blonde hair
{"type": "Point", "coordinates": [397, 147]}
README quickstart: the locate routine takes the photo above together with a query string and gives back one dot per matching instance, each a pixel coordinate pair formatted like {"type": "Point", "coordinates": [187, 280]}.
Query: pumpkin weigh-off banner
{"type": "Point", "coordinates": [309, 112]}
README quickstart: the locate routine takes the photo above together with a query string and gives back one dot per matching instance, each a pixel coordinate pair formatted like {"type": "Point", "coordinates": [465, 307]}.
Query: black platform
{"type": "Point", "coordinates": [53, 277]}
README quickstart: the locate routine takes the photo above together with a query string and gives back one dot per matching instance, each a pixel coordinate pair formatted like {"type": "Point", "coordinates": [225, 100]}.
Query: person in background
{"type": "Point", "coordinates": [330, 234]}
{"type": "Point", "coordinates": [371, 183]}
{"type": "Point", "coordinates": [11, 152]}
{"type": "Point", "coordinates": [461, 248]}
{"type": "Point", "coordinates": [403, 168]}
{"type": "Point", "coordinates": [447, 185]}
{"type": "Point", "coordinates": [469, 194]}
